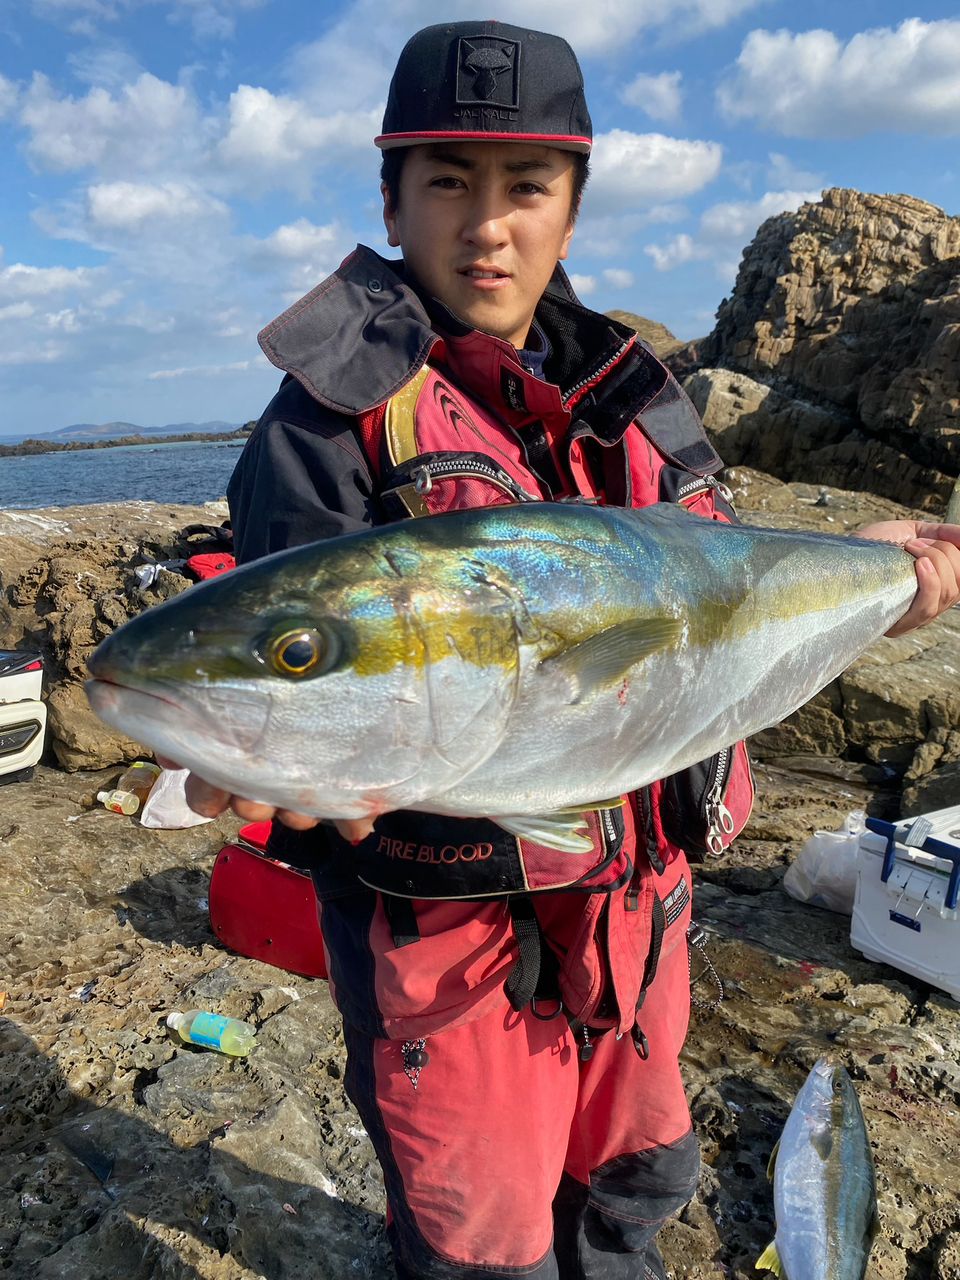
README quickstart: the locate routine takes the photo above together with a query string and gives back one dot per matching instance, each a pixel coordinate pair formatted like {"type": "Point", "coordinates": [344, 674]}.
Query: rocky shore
{"type": "Point", "coordinates": [126, 1154]}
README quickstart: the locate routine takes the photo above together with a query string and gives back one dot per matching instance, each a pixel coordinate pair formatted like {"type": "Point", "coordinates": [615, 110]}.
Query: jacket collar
{"type": "Point", "coordinates": [363, 333]}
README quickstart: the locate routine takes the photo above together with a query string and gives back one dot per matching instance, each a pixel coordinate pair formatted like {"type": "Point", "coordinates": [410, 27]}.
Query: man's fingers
{"type": "Point", "coordinates": [938, 582]}
{"type": "Point", "coordinates": [354, 829]}
{"type": "Point", "coordinates": [296, 821]}
{"type": "Point", "coordinates": [204, 798]}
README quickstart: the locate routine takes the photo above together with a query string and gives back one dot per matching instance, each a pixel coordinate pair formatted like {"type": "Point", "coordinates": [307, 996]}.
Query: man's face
{"type": "Point", "coordinates": [482, 226]}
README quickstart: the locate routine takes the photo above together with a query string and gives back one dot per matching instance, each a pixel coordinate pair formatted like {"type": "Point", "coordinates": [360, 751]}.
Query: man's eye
{"type": "Point", "coordinates": [447, 183]}
{"type": "Point", "coordinates": [528, 188]}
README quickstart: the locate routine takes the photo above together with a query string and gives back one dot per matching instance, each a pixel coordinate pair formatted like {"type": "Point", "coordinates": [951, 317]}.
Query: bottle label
{"type": "Point", "coordinates": [208, 1029]}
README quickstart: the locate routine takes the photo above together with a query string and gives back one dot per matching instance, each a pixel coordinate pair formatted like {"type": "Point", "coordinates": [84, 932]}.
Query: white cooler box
{"type": "Point", "coordinates": [908, 882]}
{"type": "Point", "coordinates": [23, 717]}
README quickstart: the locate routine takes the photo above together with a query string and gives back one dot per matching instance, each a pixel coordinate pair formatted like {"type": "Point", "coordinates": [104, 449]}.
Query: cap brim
{"type": "Point", "coordinates": [388, 141]}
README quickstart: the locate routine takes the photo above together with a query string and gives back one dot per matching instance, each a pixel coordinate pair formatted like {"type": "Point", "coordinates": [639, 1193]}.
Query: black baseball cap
{"type": "Point", "coordinates": [486, 82]}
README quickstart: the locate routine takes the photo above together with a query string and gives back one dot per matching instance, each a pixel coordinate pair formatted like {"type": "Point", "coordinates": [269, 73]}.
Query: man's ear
{"type": "Point", "coordinates": [567, 237]}
{"type": "Point", "coordinates": [390, 217]}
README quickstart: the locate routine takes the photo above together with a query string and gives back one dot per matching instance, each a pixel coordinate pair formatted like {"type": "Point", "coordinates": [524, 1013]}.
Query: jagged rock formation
{"type": "Point", "coordinates": [656, 334]}
{"type": "Point", "coordinates": [837, 358]}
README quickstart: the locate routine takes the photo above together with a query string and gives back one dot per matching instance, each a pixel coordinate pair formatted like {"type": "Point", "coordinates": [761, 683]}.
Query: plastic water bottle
{"type": "Point", "coordinates": [138, 778]}
{"type": "Point", "coordinates": [119, 801]}
{"type": "Point", "coordinates": [133, 787]}
{"type": "Point", "coordinates": [211, 1031]}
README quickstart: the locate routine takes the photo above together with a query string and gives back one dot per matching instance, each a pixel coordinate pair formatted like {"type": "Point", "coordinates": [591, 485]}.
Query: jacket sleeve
{"type": "Point", "coordinates": [302, 477]}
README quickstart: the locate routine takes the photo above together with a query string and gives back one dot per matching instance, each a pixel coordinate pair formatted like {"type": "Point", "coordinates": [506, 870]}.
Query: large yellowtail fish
{"type": "Point", "coordinates": [518, 662]}
{"type": "Point", "coordinates": [824, 1189]}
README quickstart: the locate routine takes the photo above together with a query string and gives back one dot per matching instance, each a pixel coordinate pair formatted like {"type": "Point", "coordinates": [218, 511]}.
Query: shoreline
{"type": "Point", "coordinates": [30, 448]}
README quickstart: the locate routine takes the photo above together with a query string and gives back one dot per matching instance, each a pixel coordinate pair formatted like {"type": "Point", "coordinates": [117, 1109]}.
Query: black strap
{"type": "Point", "coordinates": [521, 985]}
{"type": "Point", "coordinates": [402, 919]}
{"type": "Point", "coordinates": [645, 803]}
{"type": "Point", "coordinates": [658, 927]}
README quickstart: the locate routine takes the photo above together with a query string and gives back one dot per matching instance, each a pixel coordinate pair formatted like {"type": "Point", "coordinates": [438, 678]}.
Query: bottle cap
{"type": "Point", "coordinates": [174, 1019]}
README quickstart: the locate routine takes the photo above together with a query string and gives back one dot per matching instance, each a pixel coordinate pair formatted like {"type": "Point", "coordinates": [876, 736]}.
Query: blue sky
{"type": "Point", "coordinates": [176, 172]}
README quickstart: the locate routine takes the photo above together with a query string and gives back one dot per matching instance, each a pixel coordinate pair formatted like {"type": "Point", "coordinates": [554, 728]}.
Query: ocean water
{"type": "Point", "coordinates": [191, 472]}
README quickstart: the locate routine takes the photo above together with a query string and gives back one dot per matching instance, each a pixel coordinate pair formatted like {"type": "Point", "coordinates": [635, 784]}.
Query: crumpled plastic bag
{"type": "Point", "coordinates": [824, 872]}
{"type": "Point", "coordinates": [166, 806]}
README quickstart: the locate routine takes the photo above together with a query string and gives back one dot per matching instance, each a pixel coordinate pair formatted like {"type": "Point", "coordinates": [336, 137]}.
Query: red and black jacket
{"type": "Point", "coordinates": [391, 409]}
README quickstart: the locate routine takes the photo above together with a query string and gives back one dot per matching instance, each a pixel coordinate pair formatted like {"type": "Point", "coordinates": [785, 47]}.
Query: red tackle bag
{"type": "Point", "coordinates": [265, 909]}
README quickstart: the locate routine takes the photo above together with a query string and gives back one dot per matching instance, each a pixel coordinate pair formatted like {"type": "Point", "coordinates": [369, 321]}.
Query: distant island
{"type": "Point", "coordinates": [35, 446]}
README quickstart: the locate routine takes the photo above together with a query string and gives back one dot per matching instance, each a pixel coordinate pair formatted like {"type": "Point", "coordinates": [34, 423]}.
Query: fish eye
{"type": "Point", "coordinates": [299, 653]}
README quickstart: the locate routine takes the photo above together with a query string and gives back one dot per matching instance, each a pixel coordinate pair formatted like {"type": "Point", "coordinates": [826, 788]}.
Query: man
{"type": "Point", "coordinates": [513, 1054]}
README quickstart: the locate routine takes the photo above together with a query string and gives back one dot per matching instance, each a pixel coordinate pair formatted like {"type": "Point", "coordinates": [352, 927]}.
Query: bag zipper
{"type": "Point", "coordinates": [718, 816]}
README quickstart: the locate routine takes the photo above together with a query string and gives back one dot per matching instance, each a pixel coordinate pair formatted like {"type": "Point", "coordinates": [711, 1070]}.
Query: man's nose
{"type": "Point", "coordinates": [486, 223]}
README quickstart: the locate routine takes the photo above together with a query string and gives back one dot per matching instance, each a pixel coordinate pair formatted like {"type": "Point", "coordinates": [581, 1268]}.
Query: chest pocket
{"type": "Point", "coordinates": [440, 453]}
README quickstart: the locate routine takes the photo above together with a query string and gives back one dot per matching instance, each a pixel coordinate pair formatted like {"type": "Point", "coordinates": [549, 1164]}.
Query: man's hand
{"type": "Point", "coordinates": [936, 549]}
{"type": "Point", "coordinates": [210, 801]}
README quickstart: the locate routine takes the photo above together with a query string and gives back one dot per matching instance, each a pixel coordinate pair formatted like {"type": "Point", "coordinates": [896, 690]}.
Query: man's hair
{"type": "Point", "coordinates": [392, 166]}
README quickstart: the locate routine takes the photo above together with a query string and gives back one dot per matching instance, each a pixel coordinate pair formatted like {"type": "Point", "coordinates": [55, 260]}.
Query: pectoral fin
{"type": "Point", "coordinates": [565, 831]}
{"type": "Point", "coordinates": [822, 1142]}
{"type": "Point", "coordinates": [605, 658]}
{"type": "Point", "coordinates": [772, 1162]}
{"type": "Point", "coordinates": [769, 1260]}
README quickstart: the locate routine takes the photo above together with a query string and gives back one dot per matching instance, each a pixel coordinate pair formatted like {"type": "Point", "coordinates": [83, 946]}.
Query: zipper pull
{"type": "Point", "coordinates": [424, 481]}
{"type": "Point", "coordinates": [640, 1042]}
{"type": "Point", "coordinates": [586, 1049]}
{"type": "Point", "coordinates": [719, 818]}
{"type": "Point", "coordinates": [724, 491]}
{"type": "Point", "coordinates": [719, 823]}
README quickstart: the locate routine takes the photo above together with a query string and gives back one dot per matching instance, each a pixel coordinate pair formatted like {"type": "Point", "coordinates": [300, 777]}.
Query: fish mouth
{"type": "Point", "coordinates": [184, 728]}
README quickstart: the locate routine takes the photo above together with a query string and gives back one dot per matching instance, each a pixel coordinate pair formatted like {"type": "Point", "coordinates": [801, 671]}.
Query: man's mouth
{"type": "Point", "coordinates": [483, 273]}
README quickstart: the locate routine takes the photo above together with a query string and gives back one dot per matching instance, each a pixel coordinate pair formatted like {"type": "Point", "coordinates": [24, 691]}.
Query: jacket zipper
{"type": "Point", "coordinates": [425, 473]}
{"type": "Point", "coordinates": [704, 482]}
{"type": "Point", "coordinates": [596, 374]}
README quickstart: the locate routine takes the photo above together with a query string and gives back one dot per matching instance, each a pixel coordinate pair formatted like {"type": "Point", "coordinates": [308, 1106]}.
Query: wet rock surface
{"type": "Point", "coordinates": [126, 1153]}
{"type": "Point", "coordinates": [68, 579]}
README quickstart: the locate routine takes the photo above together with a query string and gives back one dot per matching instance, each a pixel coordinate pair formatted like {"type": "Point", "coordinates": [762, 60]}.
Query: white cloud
{"type": "Point", "coordinates": [35, 353]}
{"type": "Point", "coordinates": [609, 24]}
{"type": "Point", "coordinates": [300, 239]}
{"type": "Point", "coordinates": [147, 126]}
{"type": "Point", "coordinates": [610, 235]}
{"type": "Point", "coordinates": [811, 85]}
{"type": "Point", "coordinates": [642, 169]}
{"type": "Point", "coordinates": [783, 174]}
{"type": "Point", "coordinates": [724, 230]}
{"type": "Point", "coordinates": [17, 311]}
{"type": "Point", "coordinates": [739, 219]}
{"type": "Point", "coordinates": [583, 285]}
{"type": "Point", "coordinates": [300, 253]}
{"type": "Point", "coordinates": [275, 135]}
{"type": "Point", "coordinates": [200, 370]}
{"type": "Point", "coordinates": [618, 277]}
{"type": "Point", "coordinates": [660, 97]}
{"type": "Point", "coordinates": [8, 97]}
{"type": "Point", "coordinates": [126, 206]}
{"type": "Point", "coordinates": [210, 19]}
{"type": "Point", "coordinates": [681, 249]}
{"type": "Point", "coordinates": [350, 64]}
{"type": "Point", "coordinates": [20, 281]}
